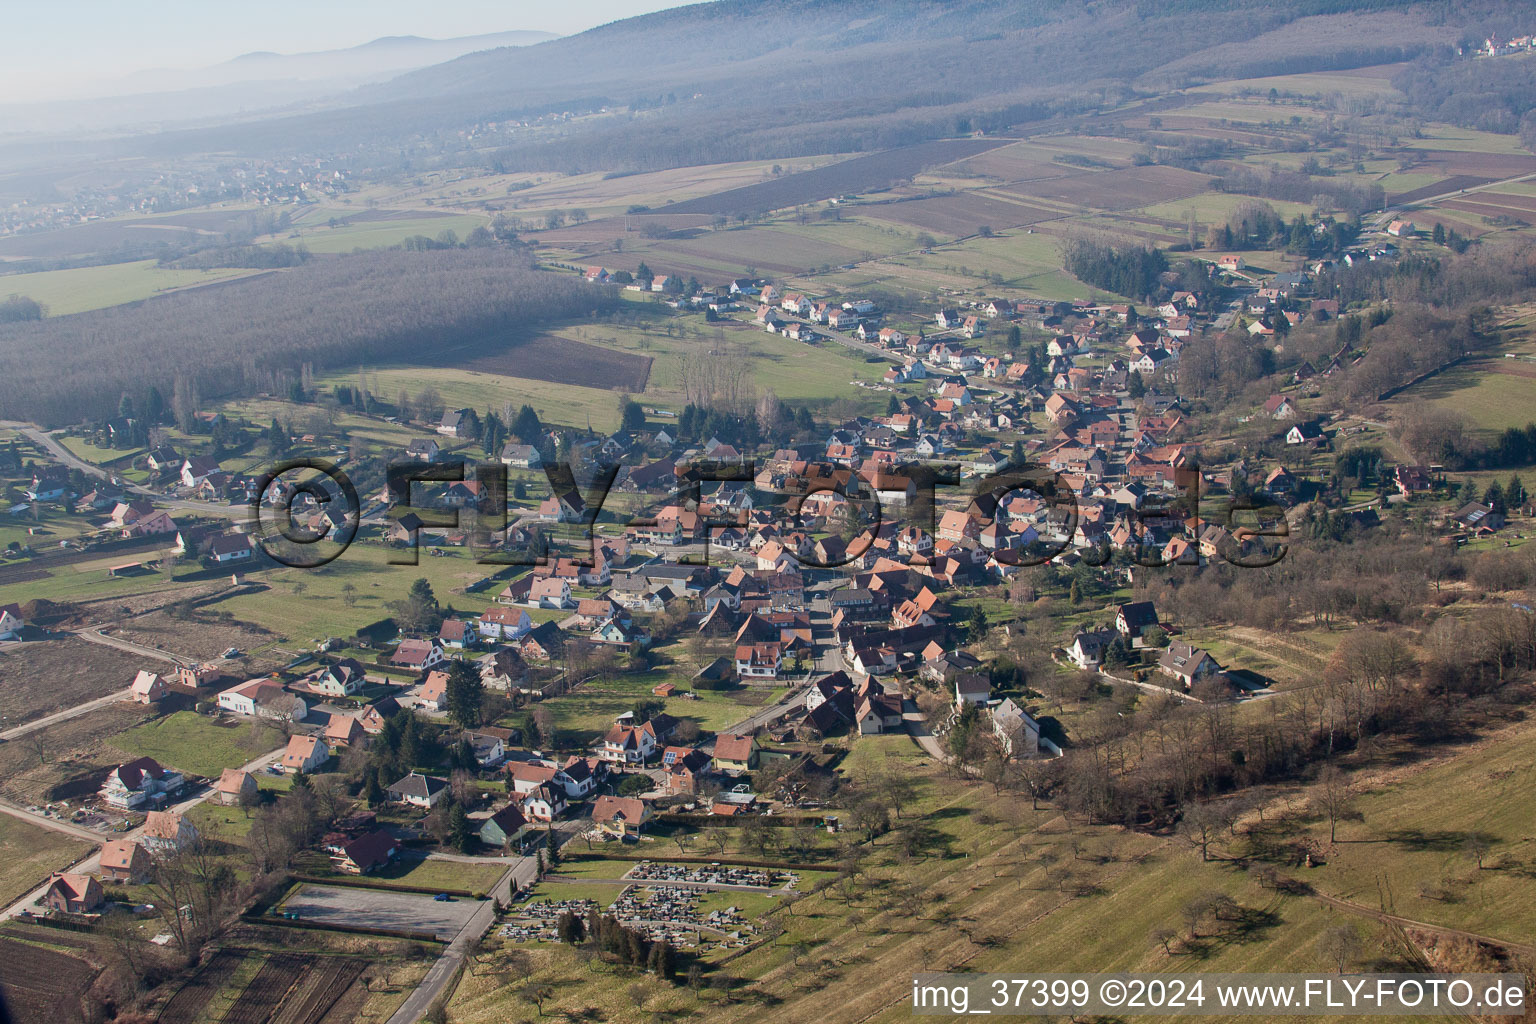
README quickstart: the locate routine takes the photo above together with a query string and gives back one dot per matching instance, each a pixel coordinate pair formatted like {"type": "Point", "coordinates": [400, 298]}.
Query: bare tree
{"type": "Point", "coordinates": [1341, 945]}
{"type": "Point", "coordinates": [1335, 799]}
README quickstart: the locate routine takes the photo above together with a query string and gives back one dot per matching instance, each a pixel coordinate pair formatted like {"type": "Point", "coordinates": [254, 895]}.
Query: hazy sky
{"type": "Point", "coordinates": [59, 43]}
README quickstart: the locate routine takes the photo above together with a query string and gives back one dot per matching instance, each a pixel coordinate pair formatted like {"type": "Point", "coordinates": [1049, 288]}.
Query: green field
{"type": "Point", "coordinates": [29, 852]}
{"type": "Point", "coordinates": [86, 288]}
{"type": "Point", "coordinates": [441, 874]}
{"type": "Point", "coordinates": [194, 743]}
{"type": "Point", "coordinates": [301, 605]}
{"type": "Point", "coordinates": [1492, 401]}
{"type": "Point", "coordinates": [84, 581]}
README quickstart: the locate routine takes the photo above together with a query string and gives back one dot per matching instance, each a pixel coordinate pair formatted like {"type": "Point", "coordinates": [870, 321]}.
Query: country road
{"type": "Point", "coordinates": [68, 458]}
{"type": "Point", "coordinates": [26, 728]}
{"type": "Point", "coordinates": [96, 636]}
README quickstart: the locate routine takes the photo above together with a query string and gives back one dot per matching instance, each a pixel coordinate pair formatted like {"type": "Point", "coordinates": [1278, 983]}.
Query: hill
{"type": "Point", "coordinates": [809, 76]}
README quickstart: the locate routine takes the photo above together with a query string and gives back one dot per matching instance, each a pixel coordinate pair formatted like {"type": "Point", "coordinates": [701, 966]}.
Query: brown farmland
{"type": "Point", "coordinates": [960, 214]}
{"type": "Point", "coordinates": [37, 984]}
{"type": "Point", "coordinates": [51, 675]}
{"type": "Point", "coordinates": [861, 174]}
{"type": "Point", "coordinates": [562, 361]}
{"type": "Point", "coordinates": [1123, 189]}
{"type": "Point", "coordinates": [1444, 185]}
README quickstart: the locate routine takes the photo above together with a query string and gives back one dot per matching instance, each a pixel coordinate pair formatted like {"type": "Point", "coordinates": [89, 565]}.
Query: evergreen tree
{"type": "Point", "coordinates": [1015, 336]}
{"type": "Point", "coordinates": [526, 427]}
{"type": "Point", "coordinates": [1494, 498]}
{"type": "Point", "coordinates": [1514, 491]}
{"type": "Point", "coordinates": [460, 834]}
{"type": "Point", "coordinates": [1075, 593]}
{"type": "Point", "coordinates": [373, 793]}
{"type": "Point", "coordinates": [466, 694]}
{"type": "Point", "coordinates": [631, 415]}
{"type": "Point", "coordinates": [570, 929]}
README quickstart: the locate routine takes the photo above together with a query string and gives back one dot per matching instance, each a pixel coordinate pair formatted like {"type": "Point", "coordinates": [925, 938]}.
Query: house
{"type": "Point", "coordinates": [147, 688]}
{"type": "Point", "coordinates": [264, 697]}
{"type": "Point", "coordinates": [344, 731]}
{"type": "Point", "coordinates": [1186, 663]}
{"type": "Point", "coordinates": [305, 754]}
{"type": "Point", "coordinates": [1087, 648]}
{"type": "Point", "coordinates": [505, 623]}
{"type": "Point", "coordinates": [125, 862]}
{"type": "Point", "coordinates": [550, 592]}
{"type": "Point", "coordinates": [520, 456]}
{"type": "Point", "coordinates": [759, 660]}
{"type": "Point", "coordinates": [504, 669]}
{"type": "Point", "coordinates": [433, 694]}
{"type": "Point", "coordinates": [734, 754]}
{"type": "Point", "coordinates": [366, 853]}
{"type": "Point", "coordinates": [236, 788]}
{"type": "Point", "coordinates": [197, 469]}
{"type": "Point", "coordinates": [343, 679]}
{"type": "Point", "coordinates": [166, 830]}
{"type": "Point", "coordinates": [418, 790]}
{"type": "Point", "coordinates": [972, 688]}
{"type": "Point", "coordinates": [542, 642]}
{"type": "Point", "coordinates": [544, 803]}
{"type": "Point", "coordinates": [1279, 407]}
{"type": "Point", "coordinates": [1399, 228]}
{"type": "Point", "coordinates": [504, 827]}
{"type": "Point", "coordinates": [1131, 619]}
{"type": "Point", "coordinates": [70, 893]}
{"type": "Point", "coordinates": [132, 785]}
{"type": "Point", "coordinates": [11, 622]}
{"type": "Point", "coordinates": [162, 458]}
{"type": "Point", "coordinates": [1478, 516]}
{"type": "Point", "coordinates": [621, 816]}
{"type": "Point", "coordinates": [230, 547]}
{"type": "Point", "coordinates": [1412, 480]}
{"type": "Point", "coordinates": [424, 450]}
{"type": "Point", "coordinates": [876, 712]}
{"type": "Point", "coordinates": [375, 714]}
{"type": "Point", "coordinates": [1305, 433]}
{"type": "Point", "coordinates": [635, 744]}
{"type": "Point", "coordinates": [1016, 731]}
{"type": "Point", "coordinates": [417, 654]}
{"type": "Point", "coordinates": [455, 423]}
{"type": "Point", "coordinates": [489, 749]}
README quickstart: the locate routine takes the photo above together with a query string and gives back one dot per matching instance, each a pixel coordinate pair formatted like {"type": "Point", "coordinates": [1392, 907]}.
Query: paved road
{"type": "Point", "coordinates": [918, 729]}
{"type": "Point", "coordinates": [93, 862]}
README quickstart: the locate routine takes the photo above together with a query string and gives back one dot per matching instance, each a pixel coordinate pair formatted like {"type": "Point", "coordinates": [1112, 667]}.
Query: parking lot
{"type": "Point", "coordinates": [378, 908]}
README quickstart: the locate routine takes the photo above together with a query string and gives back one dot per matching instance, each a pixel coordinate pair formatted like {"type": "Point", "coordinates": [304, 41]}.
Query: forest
{"type": "Point", "coordinates": [232, 339]}
{"type": "Point", "coordinates": [1130, 271]}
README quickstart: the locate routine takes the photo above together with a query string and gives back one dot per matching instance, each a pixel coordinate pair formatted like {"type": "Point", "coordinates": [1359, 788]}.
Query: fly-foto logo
{"type": "Point", "coordinates": [308, 512]}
